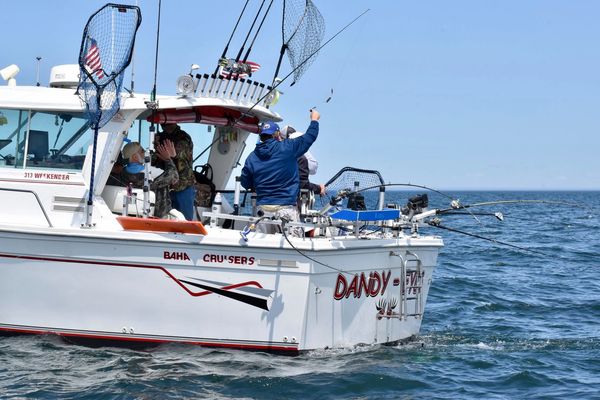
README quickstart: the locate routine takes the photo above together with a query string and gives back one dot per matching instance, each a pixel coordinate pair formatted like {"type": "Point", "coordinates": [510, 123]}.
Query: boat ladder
{"type": "Point", "coordinates": [411, 285]}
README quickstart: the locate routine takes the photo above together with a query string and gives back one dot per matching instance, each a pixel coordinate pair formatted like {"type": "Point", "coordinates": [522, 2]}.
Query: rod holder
{"type": "Point", "coordinates": [224, 92]}
{"type": "Point", "coordinates": [255, 84]}
{"type": "Point", "coordinates": [235, 82]}
{"type": "Point", "coordinates": [218, 88]}
{"type": "Point", "coordinates": [242, 81]}
{"type": "Point", "coordinates": [260, 92]}
{"type": "Point", "coordinates": [213, 80]}
{"type": "Point", "coordinates": [205, 77]}
{"type": "Point", "coordinates": [249, 85]}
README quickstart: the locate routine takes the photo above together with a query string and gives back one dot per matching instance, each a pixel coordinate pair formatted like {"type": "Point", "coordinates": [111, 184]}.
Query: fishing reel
{"type": "Point", "coordinates": [415, 205]}
{"type": "Point", "coordinates": [231, 67]}
{"type": "Point", "coordinates": [342, 194]}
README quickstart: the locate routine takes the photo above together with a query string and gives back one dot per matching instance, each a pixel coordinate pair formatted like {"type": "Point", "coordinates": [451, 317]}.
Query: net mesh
{"type": "Point", "coordinates": [303, 30]}
{"type": "Point", "coordinates": [106, 50]}
{"type": "Point", "coordinates": [352, 179]}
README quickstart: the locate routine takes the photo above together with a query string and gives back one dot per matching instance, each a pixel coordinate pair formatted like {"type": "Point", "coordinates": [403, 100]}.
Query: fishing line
{"type": "Point", "coordinates": [344, 65]}
{"type": "Point", "coordinates": [403, 184]}
{"type": "Point", "coordinates": [283, 222]}
{"type": "Point", "coordinates": [437, 225]}
{"type": "Point", "coordinates": [299, 66]}
{"type": "Point", "coordinates": [489, 203]}
{"type": "Point", "coordinates": [207, 148]}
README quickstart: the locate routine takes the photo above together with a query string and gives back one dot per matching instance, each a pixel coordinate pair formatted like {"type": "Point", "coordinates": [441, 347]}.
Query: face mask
{"type": "Point", "coordinates": [134, 168]}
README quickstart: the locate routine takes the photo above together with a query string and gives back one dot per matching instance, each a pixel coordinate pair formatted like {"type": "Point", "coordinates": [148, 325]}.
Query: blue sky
{"type": "Point", "coordinates": [453, 95]}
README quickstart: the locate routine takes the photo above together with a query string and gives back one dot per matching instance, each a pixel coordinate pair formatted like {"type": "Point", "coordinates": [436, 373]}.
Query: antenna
{"type": "Point", "coordinates": [37, 79]}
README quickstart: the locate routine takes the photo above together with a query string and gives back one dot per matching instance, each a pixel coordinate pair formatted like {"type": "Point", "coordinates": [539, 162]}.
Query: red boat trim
{"type": "Point", "coordinates": [280, 347]}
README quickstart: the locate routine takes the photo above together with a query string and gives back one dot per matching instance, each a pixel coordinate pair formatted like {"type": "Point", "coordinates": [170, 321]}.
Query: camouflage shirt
{"type": "Point", "coordinates": [184, 147]}
{"type": "Point", "coordinates": [160, 186]}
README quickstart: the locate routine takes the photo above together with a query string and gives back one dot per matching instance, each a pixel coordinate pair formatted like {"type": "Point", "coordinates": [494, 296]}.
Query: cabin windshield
{"type": "Point", "coordinates": [37, 139]}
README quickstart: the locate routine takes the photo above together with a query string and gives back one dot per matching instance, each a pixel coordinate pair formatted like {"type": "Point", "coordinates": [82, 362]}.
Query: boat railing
{"type": "Point", "coordinates": [217, 219]}
{"type": "Point", "coordinates": [36, 198]}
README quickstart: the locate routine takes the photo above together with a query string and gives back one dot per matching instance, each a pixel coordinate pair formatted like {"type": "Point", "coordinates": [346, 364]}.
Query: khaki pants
{"type": "Point", "coordinates": [289, 213]}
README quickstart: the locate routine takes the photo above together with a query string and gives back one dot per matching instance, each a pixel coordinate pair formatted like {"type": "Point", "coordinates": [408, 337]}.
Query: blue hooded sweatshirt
{"type": "Point", "coordinates": [272, 168]}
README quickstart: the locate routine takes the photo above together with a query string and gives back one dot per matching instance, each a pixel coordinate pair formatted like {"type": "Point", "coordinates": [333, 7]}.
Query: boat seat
{"type": "Point", "coordinates": [113, 197]}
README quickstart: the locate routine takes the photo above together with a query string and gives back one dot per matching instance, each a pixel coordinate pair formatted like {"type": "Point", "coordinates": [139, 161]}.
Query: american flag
{"type": "Point", "coordinates": [92, 60]}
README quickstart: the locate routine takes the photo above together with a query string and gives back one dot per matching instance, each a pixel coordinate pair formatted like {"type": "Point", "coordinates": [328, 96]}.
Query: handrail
{"type": "Point", "coordinates": [36, 197]}
{"type": "Point", "coordinates": [418, 283]}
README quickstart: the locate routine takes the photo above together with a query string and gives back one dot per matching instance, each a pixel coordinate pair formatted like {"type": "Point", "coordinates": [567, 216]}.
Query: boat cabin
{"type": "Point", "coordinates": [46, 143]}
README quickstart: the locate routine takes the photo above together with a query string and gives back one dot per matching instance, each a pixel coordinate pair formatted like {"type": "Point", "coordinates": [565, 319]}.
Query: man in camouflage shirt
{"type": "Point", "coordinates": [183, 192]}
{"type": "Point", "coordinates": [133, 173]}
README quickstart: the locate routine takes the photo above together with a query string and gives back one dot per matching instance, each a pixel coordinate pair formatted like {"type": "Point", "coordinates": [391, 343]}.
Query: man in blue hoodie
{"type": "Point", "coordinates": [272, 170]}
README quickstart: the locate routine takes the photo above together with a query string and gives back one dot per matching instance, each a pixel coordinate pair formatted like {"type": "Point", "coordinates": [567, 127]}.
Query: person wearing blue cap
{"type": "Point", "coordinates": [271, 170]}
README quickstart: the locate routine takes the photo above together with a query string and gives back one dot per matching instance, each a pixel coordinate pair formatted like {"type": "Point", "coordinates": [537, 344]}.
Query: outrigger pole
{"type": "Point", "coordinates": [152, 104]}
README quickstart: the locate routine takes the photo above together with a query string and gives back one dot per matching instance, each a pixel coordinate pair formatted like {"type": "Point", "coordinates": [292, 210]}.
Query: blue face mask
{"type": "Point", "coordinates": [134, 168]}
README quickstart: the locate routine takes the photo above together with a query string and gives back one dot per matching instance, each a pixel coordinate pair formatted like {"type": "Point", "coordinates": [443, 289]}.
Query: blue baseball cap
{"type": "Point", "coordinates": [268, 128]}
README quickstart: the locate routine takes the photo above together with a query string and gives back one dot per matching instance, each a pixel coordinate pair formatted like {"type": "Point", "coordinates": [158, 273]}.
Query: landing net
{"type": "Point", "coordinates": [106, 50]}
{"type": "Point", "coordinates": [352, 179]}
{"type": "Point", "coordinates": [303, 29]}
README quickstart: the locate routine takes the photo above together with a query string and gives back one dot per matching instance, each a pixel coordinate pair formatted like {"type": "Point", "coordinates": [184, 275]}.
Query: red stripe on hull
{"type": "Point", "coordinates": [108, 338]}
{"type": "Point", "coordinates": [110, 264]}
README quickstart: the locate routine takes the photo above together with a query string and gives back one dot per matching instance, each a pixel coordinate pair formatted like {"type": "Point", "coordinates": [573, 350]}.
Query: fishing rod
{"type": "Point", "coordinates": [250, 31]}
{"type": "Point", "coordinates": [404, 185]}
{"type": "Point", "coordinates": [256, 34]}
{"type": "Point", "coordinates": [348, 192]}
{"type": "Point", "coordinates": [275, 86]}
{"type": "Point", "coordinates": [496, 202]}
{"type": "Point", "coordinates": [153, 94]}
{"type": "Point", "coordinates": [498, 215]}
{"type": "Point", "coordinates": [455, 204]}
{"type": "Point", "coordinates": [231, 36]}
{"type": "Point", "coordinates": [436, 224]}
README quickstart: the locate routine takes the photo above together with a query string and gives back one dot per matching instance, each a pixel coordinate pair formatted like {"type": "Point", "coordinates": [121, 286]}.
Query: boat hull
{"type": "Point", "coordinates": [157, 288]}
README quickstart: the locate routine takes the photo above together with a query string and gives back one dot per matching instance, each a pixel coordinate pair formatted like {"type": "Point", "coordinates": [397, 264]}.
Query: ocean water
{"type": "Point", "coordinates": [499, 323]}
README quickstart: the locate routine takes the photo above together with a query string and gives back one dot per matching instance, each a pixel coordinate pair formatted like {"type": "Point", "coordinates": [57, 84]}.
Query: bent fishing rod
{"type": "Point", "coordinates": [455, 204]}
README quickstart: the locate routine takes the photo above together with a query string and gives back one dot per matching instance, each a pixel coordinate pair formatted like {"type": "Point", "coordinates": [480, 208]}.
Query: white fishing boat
{"type": "Point", "coordinates": [90, 273]}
